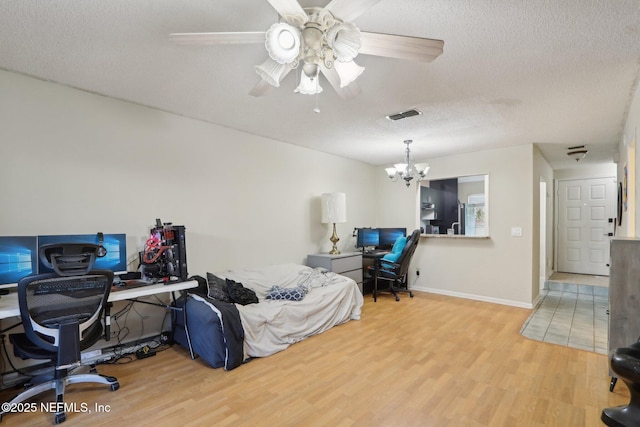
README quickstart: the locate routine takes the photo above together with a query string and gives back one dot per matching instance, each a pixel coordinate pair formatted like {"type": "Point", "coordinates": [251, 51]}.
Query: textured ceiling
{"type": "Point", "coordinates": [554, 73]}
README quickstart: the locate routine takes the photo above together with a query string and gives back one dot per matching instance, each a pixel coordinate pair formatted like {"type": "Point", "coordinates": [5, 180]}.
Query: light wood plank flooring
{"type": "Point", "coordinates": [427, 361]}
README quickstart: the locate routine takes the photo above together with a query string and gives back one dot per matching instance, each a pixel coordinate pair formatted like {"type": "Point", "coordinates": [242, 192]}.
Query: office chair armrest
{"type": "Point", "coordinates": [388, 265]}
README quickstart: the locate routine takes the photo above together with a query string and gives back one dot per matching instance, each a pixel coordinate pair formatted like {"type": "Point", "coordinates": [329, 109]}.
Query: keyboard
{"type": "Point", "coordinates": [61, 287]}
{"type": "Point", "coordinates": [375, 251]}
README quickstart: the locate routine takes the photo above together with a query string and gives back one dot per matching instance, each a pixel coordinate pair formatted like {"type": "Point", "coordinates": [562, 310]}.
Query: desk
{"type": "Point", "coordinates": [9, 303]}
{"type": "Point", "coordinates": [346, 264]}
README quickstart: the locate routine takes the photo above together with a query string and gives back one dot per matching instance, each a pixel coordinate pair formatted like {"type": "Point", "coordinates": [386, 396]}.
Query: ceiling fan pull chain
{"type": "Point", "coordinates": [317, 109]}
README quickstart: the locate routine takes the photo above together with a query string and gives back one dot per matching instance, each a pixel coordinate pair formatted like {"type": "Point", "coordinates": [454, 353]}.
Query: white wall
{"type": "Point", "coordinates": [79, 163]}
{"type": "Point", "coordinates": [76, 163]}
{"type": "Point", "coordinates": [630, 156]}
{"type": "Point", "coordinates": [500, 269]}
{"type": "Point", "coordinates": [542, 222]}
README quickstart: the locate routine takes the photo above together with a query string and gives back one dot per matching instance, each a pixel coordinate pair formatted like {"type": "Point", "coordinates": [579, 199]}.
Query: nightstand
{"type": "Point", "coordinates": [347, 264]}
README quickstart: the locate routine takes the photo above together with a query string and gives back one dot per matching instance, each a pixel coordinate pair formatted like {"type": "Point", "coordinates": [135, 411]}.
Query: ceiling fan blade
{"type": "Point", "coordinates": [289, 9]}
{"type": "Point", "coordinates": [350, 91]}
{"type": "Point", "coordinates": [401, 47]}
{"type": "Point", "coordinates": [217, 38]}
{"type": "Point", "coordinates": [348, 10]}
{"type": "Point", "coordinates": [261, 89]}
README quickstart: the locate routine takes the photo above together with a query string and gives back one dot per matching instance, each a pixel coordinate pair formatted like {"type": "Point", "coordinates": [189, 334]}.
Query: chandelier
{"type": "Point", "coordinates": [408, 170]}
{"type": "Point", "coordinates": [314, 42]}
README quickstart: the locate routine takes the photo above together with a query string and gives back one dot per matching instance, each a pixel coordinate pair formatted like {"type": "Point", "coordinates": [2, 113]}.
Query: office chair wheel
{"type": "Point", "coordinates": [411, 294]}
{"type": "Point", "coordinates": [115, 386]}
{"type": "Point", "coordinates": [60, 418]}
{"type": "Point", "coordinates": [397, 298]}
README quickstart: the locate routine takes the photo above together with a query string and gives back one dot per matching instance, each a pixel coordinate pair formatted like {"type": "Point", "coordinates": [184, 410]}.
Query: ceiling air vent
{"type": "Point", "coordinates": [404, 114]}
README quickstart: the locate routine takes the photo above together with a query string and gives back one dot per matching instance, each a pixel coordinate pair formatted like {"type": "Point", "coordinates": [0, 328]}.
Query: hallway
{"type": "Point", "coordinates": [572, 312]}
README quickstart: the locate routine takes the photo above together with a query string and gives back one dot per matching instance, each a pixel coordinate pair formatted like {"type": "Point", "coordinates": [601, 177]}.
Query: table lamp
{"type": "Point", "coordinates": [334, 210]}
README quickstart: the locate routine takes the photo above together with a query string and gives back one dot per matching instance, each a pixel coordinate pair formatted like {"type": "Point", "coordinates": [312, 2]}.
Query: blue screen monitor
{"type": "Point", "coordinates": [18, 258]}
{"type": "Point", "coordinates": [115, 244]}
{"type": "Point", "coordinates": [388, 236]}
{"type": "Point", "coordinates": [367, 237]}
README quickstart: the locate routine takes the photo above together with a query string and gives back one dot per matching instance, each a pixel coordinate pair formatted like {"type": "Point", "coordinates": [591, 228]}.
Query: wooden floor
{"type": "Point", "coordinates": [427, 361]}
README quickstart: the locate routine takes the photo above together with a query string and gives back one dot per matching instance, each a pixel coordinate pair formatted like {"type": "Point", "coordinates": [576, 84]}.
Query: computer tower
{"type": "Point", "coordinates": [180, 252]}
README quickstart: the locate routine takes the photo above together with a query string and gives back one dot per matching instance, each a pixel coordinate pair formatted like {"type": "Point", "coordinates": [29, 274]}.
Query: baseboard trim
{"type": "Point", "coordinates": [473, 297]}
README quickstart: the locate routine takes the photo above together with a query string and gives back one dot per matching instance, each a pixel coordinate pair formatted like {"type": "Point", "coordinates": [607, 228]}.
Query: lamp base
{"type": "Point", "coordinates": [334, 239]}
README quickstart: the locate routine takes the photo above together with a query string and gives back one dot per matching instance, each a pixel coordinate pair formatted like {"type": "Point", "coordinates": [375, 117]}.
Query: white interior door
{"type": "Point", "coordinates": [585, 218]}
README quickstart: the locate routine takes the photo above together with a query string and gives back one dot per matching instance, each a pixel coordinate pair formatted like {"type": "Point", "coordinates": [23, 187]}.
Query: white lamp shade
{"type": "Point", "coordinates": [308, 85]}
{"type": "Point", "coordinates": [422, 168]}
{"type": "Point", "coordinates": [271, 71]}
{"type": "Point", "coordinates": [283, 42]}
{"type": "Point", "coordinates": [401, 168]}
{"type": "Point", "coordinates": [391, 172]}
{"type": "Point", "coordinates": [344, 39]}
{"type": "Point", "coordinates": [334, 207]}
{"type": "Point", "coordinates": [347, 71]}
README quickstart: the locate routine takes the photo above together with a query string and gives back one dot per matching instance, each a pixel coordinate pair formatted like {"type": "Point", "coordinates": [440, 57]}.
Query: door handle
{"type": "Point", "coordinates": [608, 234]}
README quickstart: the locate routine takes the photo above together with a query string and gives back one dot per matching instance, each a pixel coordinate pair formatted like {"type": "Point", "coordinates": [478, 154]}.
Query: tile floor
{"type": "Point", "coordinates": [572, 311]}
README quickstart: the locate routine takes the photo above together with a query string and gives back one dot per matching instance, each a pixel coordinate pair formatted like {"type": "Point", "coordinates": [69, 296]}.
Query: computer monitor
{"type": "Point", "coordinates": [388, 236]}
{"type": "Point", "coordinates": [115, 244]}
{"type": "Point", "coordinates": [367, 237]}
{"type": "Point", "coordinates": [18, 258]}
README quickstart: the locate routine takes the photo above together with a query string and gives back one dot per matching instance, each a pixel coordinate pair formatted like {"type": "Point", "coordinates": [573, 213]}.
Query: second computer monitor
{"type": "Point", "coordinates": [18, 258]}
{"type": "Point", "coordinates": [388, 236]}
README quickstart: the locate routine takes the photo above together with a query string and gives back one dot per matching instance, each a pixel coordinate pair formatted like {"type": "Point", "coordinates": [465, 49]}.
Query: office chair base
{"type": "Point", "coordinates": [59, 386]}
{"type": "Point", "coordinates": [394, 292]}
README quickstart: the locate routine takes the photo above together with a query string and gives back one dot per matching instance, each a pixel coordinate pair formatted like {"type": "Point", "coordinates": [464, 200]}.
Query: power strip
{"type": "Point", "coordinates": [109, 353]}
{"type": "Point", "coordinates": [145, 352]}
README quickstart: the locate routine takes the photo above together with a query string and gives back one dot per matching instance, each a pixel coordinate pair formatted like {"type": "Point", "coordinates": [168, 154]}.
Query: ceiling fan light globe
{"type": "Point", "coordinates": [286, 40]}
{"type": "Point", "coordinates": [308, 85]}
{"type": "Point", "coordinates": [344, 39]}
{"type": "Point", "coordinates": [348, 72]}
{"type": "Point", "coordinates": [282, 42]}
{"type": "Point", "coordinates": [271, 72]}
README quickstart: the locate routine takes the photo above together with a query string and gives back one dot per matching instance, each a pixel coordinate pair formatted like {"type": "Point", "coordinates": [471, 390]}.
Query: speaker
{"type": "Point", "coordinates": [102, 251]}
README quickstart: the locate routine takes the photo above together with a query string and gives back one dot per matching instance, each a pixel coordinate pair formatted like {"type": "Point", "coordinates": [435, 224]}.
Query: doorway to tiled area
{"type": "Point", "coordinates": [572, 311]}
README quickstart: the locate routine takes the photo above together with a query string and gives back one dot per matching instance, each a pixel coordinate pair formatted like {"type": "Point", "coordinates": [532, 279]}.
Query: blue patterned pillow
{"type": "Point", "coordinates": [290, 294]}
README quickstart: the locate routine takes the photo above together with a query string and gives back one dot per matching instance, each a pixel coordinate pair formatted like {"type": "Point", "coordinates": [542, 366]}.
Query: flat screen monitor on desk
{"type": "Point", "coordinates": [115, 244]}
{"type": "Point", "coordinates": [367, 237]}
{"type": "Point", "coordinates": [18, 258]}
{"type": "Point", "coordinates": [388, 236]}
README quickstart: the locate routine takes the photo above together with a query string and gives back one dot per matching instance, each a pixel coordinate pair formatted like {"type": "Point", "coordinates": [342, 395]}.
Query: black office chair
{"type": "Point", "coordinates": [396, 273]}
{"type": "Point", "coordinates": [61, 315]}
{"type": "Point", "coordinates": [625, 362]}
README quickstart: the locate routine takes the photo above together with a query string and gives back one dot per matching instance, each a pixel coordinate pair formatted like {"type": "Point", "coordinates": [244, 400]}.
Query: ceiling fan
{"type": "Point", "coordinates": [319, 41]}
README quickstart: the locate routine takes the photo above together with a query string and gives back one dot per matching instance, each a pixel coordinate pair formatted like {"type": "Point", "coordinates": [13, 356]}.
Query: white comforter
{"type": "Point", "coordinates": [272, 325]}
